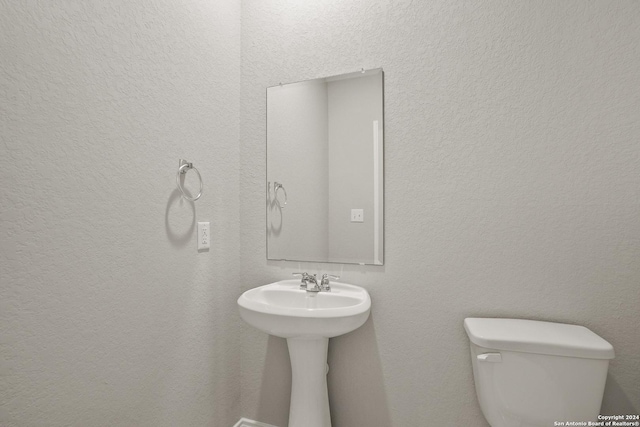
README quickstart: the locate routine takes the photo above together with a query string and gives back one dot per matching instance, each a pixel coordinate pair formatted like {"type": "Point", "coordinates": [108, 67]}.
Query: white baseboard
{"type": "Point", "coordinates": [244, 422]}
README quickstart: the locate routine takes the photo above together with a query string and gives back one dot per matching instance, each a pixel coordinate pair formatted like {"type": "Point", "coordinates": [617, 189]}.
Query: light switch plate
{"type": "Point", "coordinates": [357, 215]}
{"type": "Point", "coordinates": [204, 238]}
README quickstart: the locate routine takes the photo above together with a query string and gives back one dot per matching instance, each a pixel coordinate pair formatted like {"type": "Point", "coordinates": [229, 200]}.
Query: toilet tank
{"type": "Point", "coordinates": [531, 374]}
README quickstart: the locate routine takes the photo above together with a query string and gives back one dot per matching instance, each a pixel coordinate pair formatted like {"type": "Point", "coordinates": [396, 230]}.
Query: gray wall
{"type": "Point", "coordinates": [108, 314]}
{"type": "Point", "coordinates": [511, 189]}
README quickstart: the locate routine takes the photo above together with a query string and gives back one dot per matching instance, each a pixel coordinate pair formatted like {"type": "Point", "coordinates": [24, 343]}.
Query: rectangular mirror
{"type": "Point", "coordinates": [325, 169]}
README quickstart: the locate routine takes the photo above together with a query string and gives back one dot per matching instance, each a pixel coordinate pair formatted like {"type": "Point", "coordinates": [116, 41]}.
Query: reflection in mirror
{"type": "Point", "coordinates": [325, 169]}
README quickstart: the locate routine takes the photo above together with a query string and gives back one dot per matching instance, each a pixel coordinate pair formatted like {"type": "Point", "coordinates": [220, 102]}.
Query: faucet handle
{"type": "Point", "coordinates": [324, 283]}
{"type": "Point", "coordinates": [305, 279]}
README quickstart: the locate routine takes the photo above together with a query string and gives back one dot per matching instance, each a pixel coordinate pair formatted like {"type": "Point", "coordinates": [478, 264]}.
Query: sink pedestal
{"type": "Point", "coordinates": [309, 395]}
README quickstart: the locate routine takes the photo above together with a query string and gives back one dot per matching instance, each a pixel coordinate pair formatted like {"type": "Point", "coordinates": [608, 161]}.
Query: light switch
{"type": "Point", "coordinates": [357, 215]}
{"type": "Point", "coordinates": [204, 239]}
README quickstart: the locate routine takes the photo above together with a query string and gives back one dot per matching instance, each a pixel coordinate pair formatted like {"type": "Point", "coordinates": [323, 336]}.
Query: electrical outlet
{"type": "Point", "coordinates": [357, 215]}
{"type": "Point", "coordinates": [204, 238]}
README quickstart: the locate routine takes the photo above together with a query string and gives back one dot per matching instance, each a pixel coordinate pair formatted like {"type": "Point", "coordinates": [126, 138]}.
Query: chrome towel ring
{"type": "Point", "coordinates": [185, 166]}
{"type": "Point", "coordinates": [277, 186]}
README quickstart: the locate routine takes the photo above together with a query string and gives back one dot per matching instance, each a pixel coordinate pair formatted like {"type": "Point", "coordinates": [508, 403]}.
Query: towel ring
{"type": "Point", "coordinates": [182, 170]}
{"type": "Point", "coordinates": [277, 186]}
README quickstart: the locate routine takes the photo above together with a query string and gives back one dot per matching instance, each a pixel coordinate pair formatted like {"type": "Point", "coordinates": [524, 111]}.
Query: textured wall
{"type": "Point", "coordinates": [511, 189]}
{"type": "Point", "coordinates": [108, 314]}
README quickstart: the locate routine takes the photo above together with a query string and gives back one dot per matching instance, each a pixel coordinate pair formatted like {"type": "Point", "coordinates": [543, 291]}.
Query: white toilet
{"type": "Point", "coordinates": [530, 374]}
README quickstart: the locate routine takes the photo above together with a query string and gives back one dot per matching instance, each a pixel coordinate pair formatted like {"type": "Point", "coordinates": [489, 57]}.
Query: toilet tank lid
{"type": "Point", "coordinates": [532, 336]}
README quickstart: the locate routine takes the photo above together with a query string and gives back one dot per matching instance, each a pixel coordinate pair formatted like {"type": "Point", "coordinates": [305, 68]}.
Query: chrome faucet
{"type": "Point", "coordinates": [324, 283]}
{"type": "Point", "coordinates": [306, 280]}
{"type": "Point", "coordinates": [323, 286]}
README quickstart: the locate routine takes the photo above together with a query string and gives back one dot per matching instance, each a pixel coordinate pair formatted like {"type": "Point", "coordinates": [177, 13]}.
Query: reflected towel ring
{"type": "Point", "coordinates": [277, 186]}
{"type": "Point", "coordinates": [182, 170]}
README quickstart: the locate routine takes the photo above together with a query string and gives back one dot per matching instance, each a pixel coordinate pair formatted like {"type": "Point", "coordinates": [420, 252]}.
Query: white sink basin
{"type": "Point", "coordinates": [284, 310]}
{"type": "Point", "coordinates": [307, 320]}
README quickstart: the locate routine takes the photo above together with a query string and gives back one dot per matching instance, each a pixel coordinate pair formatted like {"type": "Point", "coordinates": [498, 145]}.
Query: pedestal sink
{"type": "Point", "coordinates": [307, 320]}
